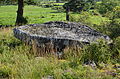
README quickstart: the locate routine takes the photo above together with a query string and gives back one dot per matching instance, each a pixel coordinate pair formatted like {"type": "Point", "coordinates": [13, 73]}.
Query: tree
{"type": "Point", "coordinates": [107, 6]}
{"type": "Point", "coordinates": [79, 5]}
{"type": "Point", "coordinates": [20, 19]}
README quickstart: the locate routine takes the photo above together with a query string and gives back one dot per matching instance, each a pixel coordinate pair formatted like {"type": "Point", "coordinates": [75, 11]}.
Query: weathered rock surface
{"type": "Point", "coordinates": [59, 34]}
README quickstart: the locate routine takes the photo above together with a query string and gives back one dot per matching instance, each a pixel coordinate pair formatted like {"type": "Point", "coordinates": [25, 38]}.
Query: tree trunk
{"type": "Point", "coordinates": [20, 19]}
{"type": "Point", "coordinates": [67, 13]}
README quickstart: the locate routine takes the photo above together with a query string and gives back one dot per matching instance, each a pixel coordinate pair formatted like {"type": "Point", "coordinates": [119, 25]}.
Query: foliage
{"type": "Point", "coordinates": [90, 18]}
{"type": "Point", "coordinates": [79, 5]}
{"type": "Point", "coordinates": [18, 61]}
{"type": "Point", "coordinates": [98, 53]}
{"type": "Point", "coordinates": [107, 6]}
{"type": "Point", "coordinates": [8, 2]}
{"type": "Point", "coordinates": [5, 71]}
{"type": "Point", "coordinates": [111, 28]}
{"type": "Point", "coordinates": [30, 2]}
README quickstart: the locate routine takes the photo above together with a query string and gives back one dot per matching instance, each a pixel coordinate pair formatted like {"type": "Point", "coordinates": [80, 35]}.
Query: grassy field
{"type": "Point", "coordinates": [33, 14]}
{"type": "Point", "coordinates": [19, 61]}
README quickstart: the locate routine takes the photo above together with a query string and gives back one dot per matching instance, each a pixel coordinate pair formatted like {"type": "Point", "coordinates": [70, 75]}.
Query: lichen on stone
{"type": "Point", "coordinates": [60, 34]}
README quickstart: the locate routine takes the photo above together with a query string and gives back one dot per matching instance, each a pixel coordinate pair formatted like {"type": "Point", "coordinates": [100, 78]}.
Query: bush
{"type": "Point", "coordinates": [5, 71]}
{"type": "Point", "coordinates": [117, 49]}
{"type": "Point", "coordinates": [106, 6]}
{"type": "Point", "coordinates": [114, 28]}
{"type": "Point", "coordinates": [98, 53]}
{"type": "Point", "coordinates": [80, 17]}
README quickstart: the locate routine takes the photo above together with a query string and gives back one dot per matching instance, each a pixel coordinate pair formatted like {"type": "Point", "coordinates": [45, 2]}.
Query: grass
{"type": "Point", "coordinates": [33, 14]}
{"type": "Point", "coordinates": [18, 61]}
{"type": "Point", "coordinates": [88, 18]}
{"type": "Point", "coordinates": [97, 20]}
{"type": "Point", "coordinates": [59, 4]}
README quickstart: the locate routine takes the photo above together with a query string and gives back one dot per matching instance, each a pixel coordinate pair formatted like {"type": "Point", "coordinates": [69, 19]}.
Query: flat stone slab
{"type": "Point", "coordinates": [60, 34]}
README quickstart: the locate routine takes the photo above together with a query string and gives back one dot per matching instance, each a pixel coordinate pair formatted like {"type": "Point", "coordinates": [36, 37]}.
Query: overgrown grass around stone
{"type": "Point", "coordinates": [18, 61]}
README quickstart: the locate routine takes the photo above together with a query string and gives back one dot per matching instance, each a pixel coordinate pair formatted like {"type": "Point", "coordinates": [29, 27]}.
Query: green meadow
{"type": "Point", "coordinates": [19, 61]}
{"type": "Point", "coordinates": [33, 14]}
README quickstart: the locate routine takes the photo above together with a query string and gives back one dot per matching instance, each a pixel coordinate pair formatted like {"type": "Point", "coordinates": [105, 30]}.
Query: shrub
{"type": "Point", "coordinates": [89, 18]}
{"type": "Point", "coordinates": [106, 6]}
{"type": "Point", "coordinates": [98, 53]}
{"type": "Point", "coordinates": [116, 49]}
{"type": "Point", "coordinates": [5, 71]}
{"type": "Point", "coordinates": [82, 17]}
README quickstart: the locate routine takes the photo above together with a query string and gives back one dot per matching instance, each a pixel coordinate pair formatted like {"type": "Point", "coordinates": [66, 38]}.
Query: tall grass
{"type": "Point", "coordinates": [18, 61]}
{"type": "Point", "coordinates": [21, 61]}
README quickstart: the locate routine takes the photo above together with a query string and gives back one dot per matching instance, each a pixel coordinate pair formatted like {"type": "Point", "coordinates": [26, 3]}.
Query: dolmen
{"type": "Point", "coordinates": [59, 34]}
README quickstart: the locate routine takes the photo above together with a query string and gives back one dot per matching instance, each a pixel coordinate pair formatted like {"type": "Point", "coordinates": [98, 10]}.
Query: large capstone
{"type": "Point", "coordinates": [59, 34]}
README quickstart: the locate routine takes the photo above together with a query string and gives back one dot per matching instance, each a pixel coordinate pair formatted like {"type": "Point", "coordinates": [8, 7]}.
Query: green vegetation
{"type": "Point", "coordinates": [88, 18]}
{"type": "Point", "coordinates": [80, 5]}
{"type": "Point", "coordinates": [33, 14]}
{"type": "Point", "coordinates": [19, 61]}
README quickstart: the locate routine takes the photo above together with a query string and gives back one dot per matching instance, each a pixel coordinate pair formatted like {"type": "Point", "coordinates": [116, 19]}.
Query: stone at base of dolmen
{"type": "Point", "coordinates": [59, 34]}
